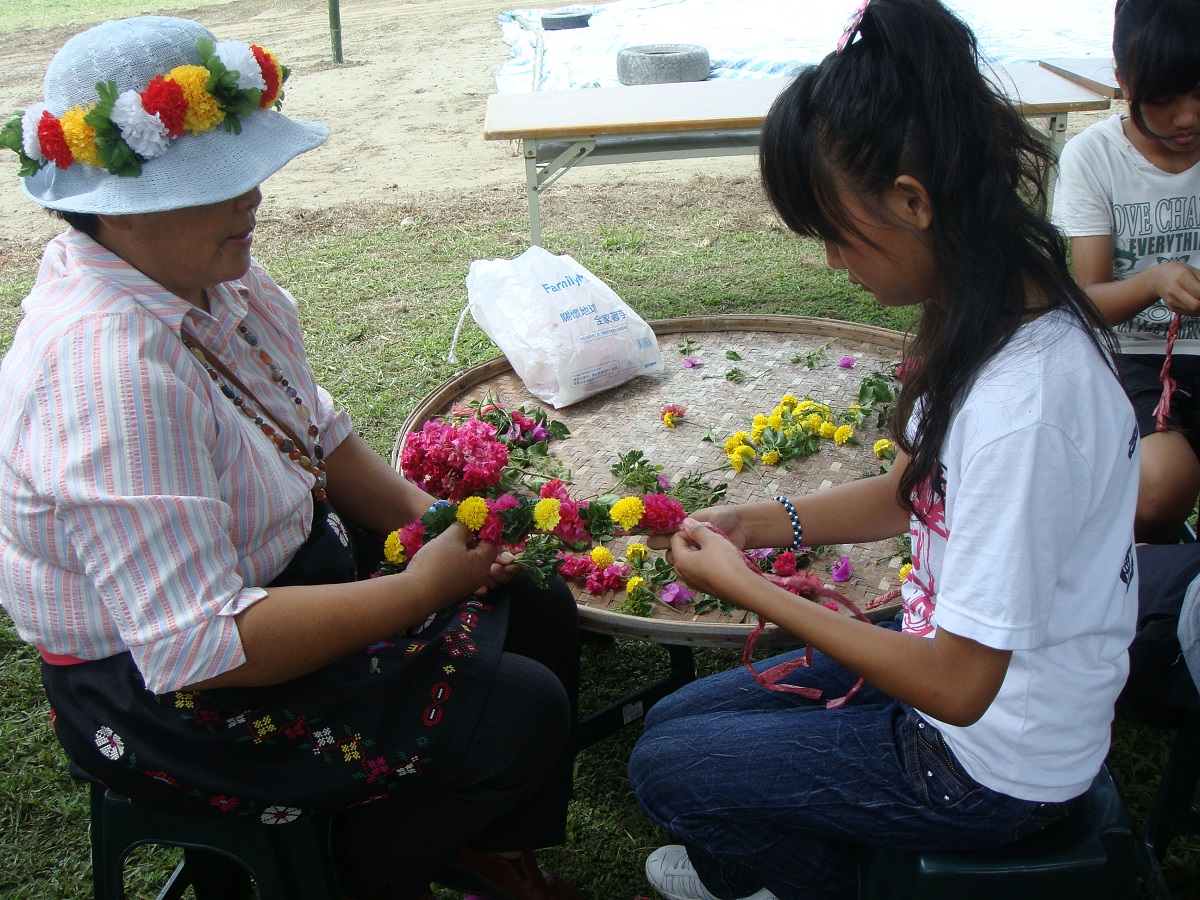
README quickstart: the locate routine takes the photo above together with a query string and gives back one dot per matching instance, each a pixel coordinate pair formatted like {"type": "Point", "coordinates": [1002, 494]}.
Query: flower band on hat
{"type": "Point", "coordinates": [121, 131]}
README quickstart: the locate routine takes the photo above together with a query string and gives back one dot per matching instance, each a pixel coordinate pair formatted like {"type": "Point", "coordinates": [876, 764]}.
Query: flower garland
{"type": "Point", "coordinates": [123, 130]}
{"type": "Point", "coordinates": [537, 530]}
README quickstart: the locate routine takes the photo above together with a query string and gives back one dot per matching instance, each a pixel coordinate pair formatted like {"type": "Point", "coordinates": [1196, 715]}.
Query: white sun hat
{"type": "Point", "coordinates": [153, 113]}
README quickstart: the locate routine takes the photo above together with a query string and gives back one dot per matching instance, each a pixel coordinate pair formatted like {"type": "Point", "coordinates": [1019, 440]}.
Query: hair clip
{"type": "Point", "coordinates": [852, 26]}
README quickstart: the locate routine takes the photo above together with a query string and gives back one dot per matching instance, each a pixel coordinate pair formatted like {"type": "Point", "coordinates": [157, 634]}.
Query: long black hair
{"type": "Point", "coordinates": [908, 98]}
{"type": "Point", "coordinates": [1156, 46]}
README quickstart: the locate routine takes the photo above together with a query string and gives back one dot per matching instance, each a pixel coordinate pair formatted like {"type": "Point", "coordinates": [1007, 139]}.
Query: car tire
{"type": "Point", "coordinates": [558, 21]}
{"type": "Point", "coordinates": [662, 63]}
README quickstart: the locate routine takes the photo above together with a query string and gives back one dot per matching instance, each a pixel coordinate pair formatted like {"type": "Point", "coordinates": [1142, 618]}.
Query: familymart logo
{"type": "Point", "coordinates": [569, 282]}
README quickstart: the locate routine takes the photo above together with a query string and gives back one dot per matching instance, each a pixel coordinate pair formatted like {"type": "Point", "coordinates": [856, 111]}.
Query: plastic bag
{"type": "Point", "coordinates": [565, 332]}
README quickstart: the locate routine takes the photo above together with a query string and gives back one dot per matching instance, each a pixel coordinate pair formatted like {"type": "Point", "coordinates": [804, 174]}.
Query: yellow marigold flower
{"type": "Point", "coordinates": [736, 462]}
{"type": "Point", "coordinates": [884, 449]}
{"type": "Point", "coordinates": [669, 419]}
{"type": "Point", "coordinates": [771, 458]}
{"type": "Point", "coordinates": [775, 420]}
{"type": "Point", "coordinates": [393, 549]}
{"type": "Point", "coordinates": [904, 570]}
{"type": "Point", "coordinates": [790, 431]}
{"type": "Point", "coordinates": [813, 422]}
{"type": "Point", "coordinates": [757, 429]}
{"type": "Point", "coordinates": [746, 452]}
{"type": "Point", "coordinates": [602, 557]}
{"type": "Point", "coordinates": [203, 112]}
{"type": "Point", "coordinates": [843, 434]}
{"type": "Point", "coordinates": [827, 430]}
{"type": "Point", "coordinates": [472, 512]}
{"type": "Point", "coordinates": [637, 553]}
{"type": "Point", "coordinates": [789, 401]}
{"type": "Point", "coordinates": [546, 513]}
{"type": "Point", "coordinates": [634, 583]}
{"type": "Point", "coordinates": [628, 511]}
{"type": "Point", "coordinates": [735, 440]}
{"type": "Point", "coordinates": [80, 136]}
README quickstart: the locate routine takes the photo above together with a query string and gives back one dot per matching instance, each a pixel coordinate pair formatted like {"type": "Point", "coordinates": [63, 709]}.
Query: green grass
{"type": "Point", "coordinates": [22, 16]}
{"type": "Point", "coordinates": [380, 291]}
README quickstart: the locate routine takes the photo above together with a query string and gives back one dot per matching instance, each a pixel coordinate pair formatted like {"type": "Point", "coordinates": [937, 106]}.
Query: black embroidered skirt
{"type": "Point", "coordinates": [377, 723]}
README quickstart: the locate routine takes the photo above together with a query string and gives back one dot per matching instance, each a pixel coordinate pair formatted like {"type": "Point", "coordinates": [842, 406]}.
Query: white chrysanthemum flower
{"type": "Point", "coordinates": [238, 57]}
{"type": "Point", "coordinates": [29, 132]}
{"type": "Point", "coordinates": [145, 134]}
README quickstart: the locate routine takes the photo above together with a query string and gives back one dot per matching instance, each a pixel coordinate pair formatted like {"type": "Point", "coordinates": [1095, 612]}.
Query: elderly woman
{"type": "Point", "coordinates": [169, 475]}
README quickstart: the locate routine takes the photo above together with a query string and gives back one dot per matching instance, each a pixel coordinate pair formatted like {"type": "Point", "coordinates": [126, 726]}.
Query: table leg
{"type": "Point", "coordinates": [533, 192]}
{"type": "Point", "coordinates": [629, 709]}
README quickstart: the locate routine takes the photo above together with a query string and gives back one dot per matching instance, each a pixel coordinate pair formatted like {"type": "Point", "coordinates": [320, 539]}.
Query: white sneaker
{"type": "Point", "coordinates": [670, 872]}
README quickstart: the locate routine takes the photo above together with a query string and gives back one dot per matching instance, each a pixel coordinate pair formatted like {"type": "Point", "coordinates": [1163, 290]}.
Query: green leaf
{"type": "Point", "coordinates": [732, 354]}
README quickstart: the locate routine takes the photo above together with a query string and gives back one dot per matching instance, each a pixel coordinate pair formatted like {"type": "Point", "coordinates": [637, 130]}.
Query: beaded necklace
{"type": "Point", "coordinates": [286, 442]}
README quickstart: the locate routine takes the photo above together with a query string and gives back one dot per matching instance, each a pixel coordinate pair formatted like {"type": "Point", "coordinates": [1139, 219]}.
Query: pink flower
{"type": "Point", "coordinates": [412, 536]}
{"type": "Point", "coordinates": [454, 461]}
{"type": "Point", "coordinates": [692, 364]}
{"type": "Point", "coordinates": [574, 566]}
{"type": "Point", "coordinates": [570, 524]}
{"type": "Point", "coordinates": [785, 563]}
{"type": "Point", "coordinates": [611, 578]}
{"type": "Point", "coordinates": [676, 595]}
{"type": "Point", "coordinates": [555, 488]}
{"type": "Point", "coordinates": [830, 604]}
{"type": "Point", "coordinates": [662, 514]}
{"type": "Point", "coordinates": [841, 572]}
{"type": "Point", "coordinates": [846, 362]}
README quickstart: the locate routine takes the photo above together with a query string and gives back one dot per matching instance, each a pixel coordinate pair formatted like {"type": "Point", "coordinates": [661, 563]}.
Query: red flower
{"type": "Point", "coordinates": [454, 461]}
{"type": "Point", "coordinates": [271, 75]}
{"type": "Point", "coordinates": [52, 140]}
{"type": "Point", "coordinates": [663, 514]}
{"type": "Point", "coordinates": [165, 99]}
{"type": "Point", "coordinates": [611, 578]}
{"type": "Point", "coordinates": [785, 563]}
{"type": "Point", "coordinates": [555, 488]}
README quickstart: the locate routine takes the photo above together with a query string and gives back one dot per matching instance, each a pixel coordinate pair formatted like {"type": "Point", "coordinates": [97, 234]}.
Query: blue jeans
{"type": "Point", "coordinates": [769, 789]}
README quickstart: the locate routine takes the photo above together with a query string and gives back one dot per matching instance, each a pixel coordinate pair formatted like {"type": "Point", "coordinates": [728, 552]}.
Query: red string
{"type": "Point", "coordinates": [801, 585]}
{"type": "Point", "coordinates": [1163, 410]}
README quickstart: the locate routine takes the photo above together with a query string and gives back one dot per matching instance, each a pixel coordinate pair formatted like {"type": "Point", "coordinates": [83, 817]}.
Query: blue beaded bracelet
{"type": "Point", "coordinates": [797, 531]}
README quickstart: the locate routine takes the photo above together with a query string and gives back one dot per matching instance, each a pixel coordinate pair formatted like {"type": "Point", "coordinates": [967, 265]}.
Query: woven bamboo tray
{"type": "Point", "coordinates": [627, 417]}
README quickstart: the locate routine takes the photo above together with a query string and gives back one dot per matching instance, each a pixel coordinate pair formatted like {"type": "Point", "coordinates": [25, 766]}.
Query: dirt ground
{"type": "Point", "coordinates": [405, 111]}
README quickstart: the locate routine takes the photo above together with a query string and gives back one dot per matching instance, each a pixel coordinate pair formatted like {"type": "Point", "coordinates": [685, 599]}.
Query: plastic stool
{"type": "Point", "coordinates": [1171, 813]}
{"type": "Point", "coordinates": [220, 856]}
{"type": "Point", "coordinates": [1088, 854]}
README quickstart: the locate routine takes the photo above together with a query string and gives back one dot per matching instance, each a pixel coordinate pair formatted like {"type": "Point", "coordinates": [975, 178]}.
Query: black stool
{"type": "Point", "coordinates": [219, 856]}
{"type": "Point", "coordinates": [1088, 854]}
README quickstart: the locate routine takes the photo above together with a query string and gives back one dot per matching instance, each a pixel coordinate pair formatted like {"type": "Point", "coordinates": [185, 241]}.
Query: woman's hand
{"type": "Point", "coordinates": [454, 564]}
{"type": "Point", "coordinates": [1179, 286]}
{"type": "Point", "coordinates": [708, 562]}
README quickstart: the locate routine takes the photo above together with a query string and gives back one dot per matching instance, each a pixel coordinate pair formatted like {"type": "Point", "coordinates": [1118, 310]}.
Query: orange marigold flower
{"type": "Point", "coordinates": [203, 111]}
{"type": "Point", "coordinates": [80, 136]}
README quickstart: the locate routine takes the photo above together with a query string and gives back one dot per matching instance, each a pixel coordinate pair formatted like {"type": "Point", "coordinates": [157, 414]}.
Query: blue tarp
{"type": "Point", "coordinates": [757, 38]}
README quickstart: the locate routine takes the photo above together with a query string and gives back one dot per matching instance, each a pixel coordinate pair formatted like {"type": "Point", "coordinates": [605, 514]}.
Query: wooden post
{"type": "Point", "coordinates": [335, 29]}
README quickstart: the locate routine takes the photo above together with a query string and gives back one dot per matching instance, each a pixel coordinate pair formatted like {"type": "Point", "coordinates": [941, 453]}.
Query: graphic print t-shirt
{"type": "Point", "coordinates": [1106, 187]}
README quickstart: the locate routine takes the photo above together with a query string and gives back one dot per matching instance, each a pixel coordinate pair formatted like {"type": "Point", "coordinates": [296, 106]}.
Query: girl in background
{"type": "Point", "coordinates": [1127, 198]}
{"type": "Point", "coordinates": [986, 711]}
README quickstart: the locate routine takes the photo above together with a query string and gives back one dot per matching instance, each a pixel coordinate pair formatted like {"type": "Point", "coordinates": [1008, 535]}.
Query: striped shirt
{"type": "Point", "coordinates": [139, 509]}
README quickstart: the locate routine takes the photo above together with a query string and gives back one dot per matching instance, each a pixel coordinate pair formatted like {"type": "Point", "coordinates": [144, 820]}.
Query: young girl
{"type": "Point", "coordinates": [1127, 198]}
{"type": "Point", "coordinates": [987, 711]}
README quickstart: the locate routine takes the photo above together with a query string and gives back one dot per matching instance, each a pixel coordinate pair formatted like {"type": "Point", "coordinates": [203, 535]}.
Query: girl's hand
{"type": "Point", "coordinates": [1179, 286]}
{"type": "Point", "coordinates": [727, 518]}
{"type": "Point", "coordinates": [454, 564]}
{"type": "Point", "coordinates": [708, 562]}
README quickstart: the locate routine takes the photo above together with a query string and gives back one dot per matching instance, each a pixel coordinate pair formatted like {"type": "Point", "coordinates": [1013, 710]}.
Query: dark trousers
{"type": "Point", "coordinates": [514, 781]}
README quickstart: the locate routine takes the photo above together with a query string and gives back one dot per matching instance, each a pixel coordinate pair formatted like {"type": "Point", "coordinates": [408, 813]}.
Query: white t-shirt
{"type": "Point", "coordinates": [1105, 186]}
{"type": "Point", "coordinates": [1030, 549]}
